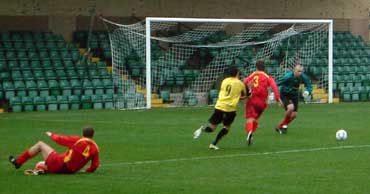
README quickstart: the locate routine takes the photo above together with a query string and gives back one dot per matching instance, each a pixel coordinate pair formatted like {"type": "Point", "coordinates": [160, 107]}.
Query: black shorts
{"type": "Point", "coordinates": [290, 99]}
{"type": "Point", "coordinates": [219, 116]}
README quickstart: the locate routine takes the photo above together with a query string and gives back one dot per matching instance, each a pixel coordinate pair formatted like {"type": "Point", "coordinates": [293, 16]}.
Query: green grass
{"type": "Point", "coordinates": [152, 151]}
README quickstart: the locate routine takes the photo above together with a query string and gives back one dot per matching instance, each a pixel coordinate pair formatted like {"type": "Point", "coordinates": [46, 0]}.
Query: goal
{"type": "Point", "coordinates": [181, 61]}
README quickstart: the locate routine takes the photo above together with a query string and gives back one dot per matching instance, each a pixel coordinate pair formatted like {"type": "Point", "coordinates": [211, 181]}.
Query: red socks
{"type": "Point", "coordinates": [255, 125]}
{"type": "Point", "coordinates": [23, 157]}
{"type": "Point", "coordinates": [248, 127]}
{"type": "Point", "coordinates": [251, 127]}
{"type": "Point", "coordinates": [286, 121]}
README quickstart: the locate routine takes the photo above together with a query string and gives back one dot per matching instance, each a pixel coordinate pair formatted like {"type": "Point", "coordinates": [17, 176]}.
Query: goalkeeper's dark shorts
{"type": "Point", "coordinates": [219, 116]}
{"type": "Point", "coordinates": [288, 98]}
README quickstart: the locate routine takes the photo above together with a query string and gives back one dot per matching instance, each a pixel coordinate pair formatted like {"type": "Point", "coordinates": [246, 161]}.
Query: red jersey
{"type": "Point", "coordinates": [261, 82]}
{"type": "Point", "coordinates": [81, 150]}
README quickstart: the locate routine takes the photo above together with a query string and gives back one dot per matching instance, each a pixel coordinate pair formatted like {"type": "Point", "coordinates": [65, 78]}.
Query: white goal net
{"type": "Point", "coordinates": [181, 61]}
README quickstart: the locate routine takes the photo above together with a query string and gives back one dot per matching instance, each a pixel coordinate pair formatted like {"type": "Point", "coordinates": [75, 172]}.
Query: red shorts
{"type": "Point", "coordinates": [254, 108]}
{"type": "Point", "coordinates": [55, 163]}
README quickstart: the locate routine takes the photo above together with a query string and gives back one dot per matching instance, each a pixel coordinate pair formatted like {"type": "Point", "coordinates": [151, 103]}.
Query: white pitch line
{"type": "Point", "coordinates": [233, 155]}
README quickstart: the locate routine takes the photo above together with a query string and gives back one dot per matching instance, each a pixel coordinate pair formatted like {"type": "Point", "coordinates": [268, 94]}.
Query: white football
{"type": "Point", "coordinates": [341, 134]}
{"type": "Point", "coordinates": [305, 94]}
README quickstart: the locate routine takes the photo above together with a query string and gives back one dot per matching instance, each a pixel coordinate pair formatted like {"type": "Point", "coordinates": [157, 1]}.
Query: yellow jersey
{"type": "Point", "coordinates": [230, 92]}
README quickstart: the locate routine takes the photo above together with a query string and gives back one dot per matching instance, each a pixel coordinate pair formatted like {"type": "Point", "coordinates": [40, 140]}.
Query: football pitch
{"type": "Point", "coordinates": [152, 151]}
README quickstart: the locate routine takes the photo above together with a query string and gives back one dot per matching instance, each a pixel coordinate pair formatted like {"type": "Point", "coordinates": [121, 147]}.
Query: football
{"type": "Point", "coordinates": [341, 134]}
{"type": "Point", "coordinates": [305, 94]}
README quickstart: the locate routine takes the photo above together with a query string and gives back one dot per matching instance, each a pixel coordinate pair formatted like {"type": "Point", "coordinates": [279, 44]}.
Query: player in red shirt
{"type": "Point", "coordinates": [256, 104]}
{"type": "Point", "coordinates": [80, 151]}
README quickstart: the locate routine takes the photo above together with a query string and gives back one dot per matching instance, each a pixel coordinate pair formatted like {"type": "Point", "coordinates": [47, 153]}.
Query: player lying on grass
{"type": "Point", "coordinates": [80, 151]}
{"type": "Point", "coordinates": [289, 86]}
{"type": "Point", "coordinates": [231, 91]}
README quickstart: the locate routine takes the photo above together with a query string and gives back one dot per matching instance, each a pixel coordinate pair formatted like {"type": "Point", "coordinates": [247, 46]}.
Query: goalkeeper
{"type": "Point", "coordinates": [289, 85]}
{"type": "Point", "coordinates": [231, 91]}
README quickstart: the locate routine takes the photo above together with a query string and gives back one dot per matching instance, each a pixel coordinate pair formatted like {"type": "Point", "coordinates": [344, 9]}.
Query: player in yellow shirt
{"type": "Point", "coordinates": [231, 91]}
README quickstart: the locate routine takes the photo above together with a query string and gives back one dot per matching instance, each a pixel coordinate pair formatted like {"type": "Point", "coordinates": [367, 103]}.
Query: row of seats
{"type": "Point", "coordinates": [37, 46]}
{"type": "Point", "coordinates": [61, 102]}
{"type": "Point", "coordinates": [17, 36]}
{"type": "Point", "coordinates": [54, 87]}
{"type": "Point", "coordinates": [73, 55]}
{"type": "Point", "coordinates": [59, 74]}
{"type": "Point", "coordinates": [9, 65]}
{"type": "Point", "coordinates": [355, 93]}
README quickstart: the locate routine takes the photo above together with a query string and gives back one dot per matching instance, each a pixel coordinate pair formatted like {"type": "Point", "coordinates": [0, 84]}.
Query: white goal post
{"type": "Point", "coordinates": [205, 47]}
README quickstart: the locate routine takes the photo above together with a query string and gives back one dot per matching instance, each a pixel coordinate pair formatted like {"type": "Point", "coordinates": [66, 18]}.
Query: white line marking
{"type": "Point", "coordinates": [233, 155]}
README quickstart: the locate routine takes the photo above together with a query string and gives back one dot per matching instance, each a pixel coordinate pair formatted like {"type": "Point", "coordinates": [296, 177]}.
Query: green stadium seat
{"type": "Point", "coordinates": [43, 87]}
{"type": "Point", "coordinates": [32, 54]}
{"type": "Point", "coordinates": [165, 95]}
{"type": "Point", "coordinates": [86, 102]}
{"type": "Point", "coordinates": [140, 100]}
{"type": "Point", "coordinates": [108, 86]}
{"type": "Point", "coordinates": [97, 101]}
{"type": "Point", "coordinates": [44, 55]}
{"type": "Point", "coordinates": [31, 87]}
{"type": "Point", "coordinates": [130, 100]}
{"type": "Point", "coordinates": [50, 74]}
{"type": "Point", "coordinates": [52, 103]}
{"type": "Point", "coordinates": [51, 46]}
{"type": "Point", "coordinates": [27, 75]}
{"type": "Point", "coordinates": [179, 78]}
{"type": "Point", "coordinates": [54, 55]}
{"type": "Point", "coordinates": [27, 103]}
{"type": "Point", "coordinates": [9, 89]}
{"type": "Point", "coordinates": [35, 65]}
{"type": "Point", "coordinates": [65, 55]}
{"type": "Point", "coordinates": [93, 74]}
{"type": "Point", "coordinates": [74, 102]}
{"type": "Point", "coordinates": [346, 97]}
{"type": "Point", "coordinates": [57, 64]}
{"type": "Point", "coordinates": [63, 102]}
{"type": "Point", "coordinates": [75, 55]}
{"type": "Point", "coordinates": [213, 96]}
{"type": "Point", "coordinates": [10, 55]}
{"type": "Point", "coordinates": [71, 74]}
{"type": "Point", "coordinates": [46, 64]}
{"type": "Point", "coordinates": [87, 87]}
{"type": "Point", "coordinates": [15, 104]}
{"type": "Point", "coordinates": [98, 86]}
{"type": "Point", "coordinates": [3, 64]}
{"type": "Point", "coordinates": [190, 98]}
{"type": "Point", "coordinates": [38, 75]}
{"type": "Point", "coordinates": [22, 55]}
{"type": "Point", "coordinates": [20, 88]}
{"type": "Point", "coordinates": [355, 96]}
{"type": "Point", "coordinates": [61, 74]}
{"type": "Point", "coordinates": [363, 94]}
{"type": "Point", "coordinates": [5, 76]}
{"type": "Point", "coordinates": [68, 64]}
{"type": "Point", "coordinates": [103, 74]}
{"type": "Point", "coordinates": [76, 87]}
{"type": "Point", "coordinates": [39, 102]}
{"type": "Point", "coordinates": [66, 87]}
{"type": "Point", "coordinates": [108, 101]}
{"type": "Point", "coordinates": [54, 87]}
{"type": "Point", "coordinates": [17, 75]}
{"type": "Point", "coordinates": [13, 65]}
{"type": "Point", "coordinates": [24, 65]}
{"type": "Point", "coordinates": [82, 74]}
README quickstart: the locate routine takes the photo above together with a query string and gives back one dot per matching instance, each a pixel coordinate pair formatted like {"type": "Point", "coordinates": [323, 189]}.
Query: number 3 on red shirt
{"type": "Point", "coordinates": [255, 81]}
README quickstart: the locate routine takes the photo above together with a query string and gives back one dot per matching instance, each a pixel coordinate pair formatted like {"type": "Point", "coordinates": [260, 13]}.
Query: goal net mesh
{"type": "Point", "coordinates": [190, 59]}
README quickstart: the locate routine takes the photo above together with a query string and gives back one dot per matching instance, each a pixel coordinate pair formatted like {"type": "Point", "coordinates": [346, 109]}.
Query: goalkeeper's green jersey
{"type": "Point", "coordinates": [290, 84]}
{"type": "Point", "coordinates": [231, 91]}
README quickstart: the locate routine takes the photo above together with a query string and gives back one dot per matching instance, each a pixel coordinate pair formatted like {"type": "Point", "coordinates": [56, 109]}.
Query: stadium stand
{"type": "Point", "coordinates": [40, 71]}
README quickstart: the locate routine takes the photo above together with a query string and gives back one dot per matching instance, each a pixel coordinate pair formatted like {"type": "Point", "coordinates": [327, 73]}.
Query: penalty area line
{"type": "Point", "coordinates": [233, 155]}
